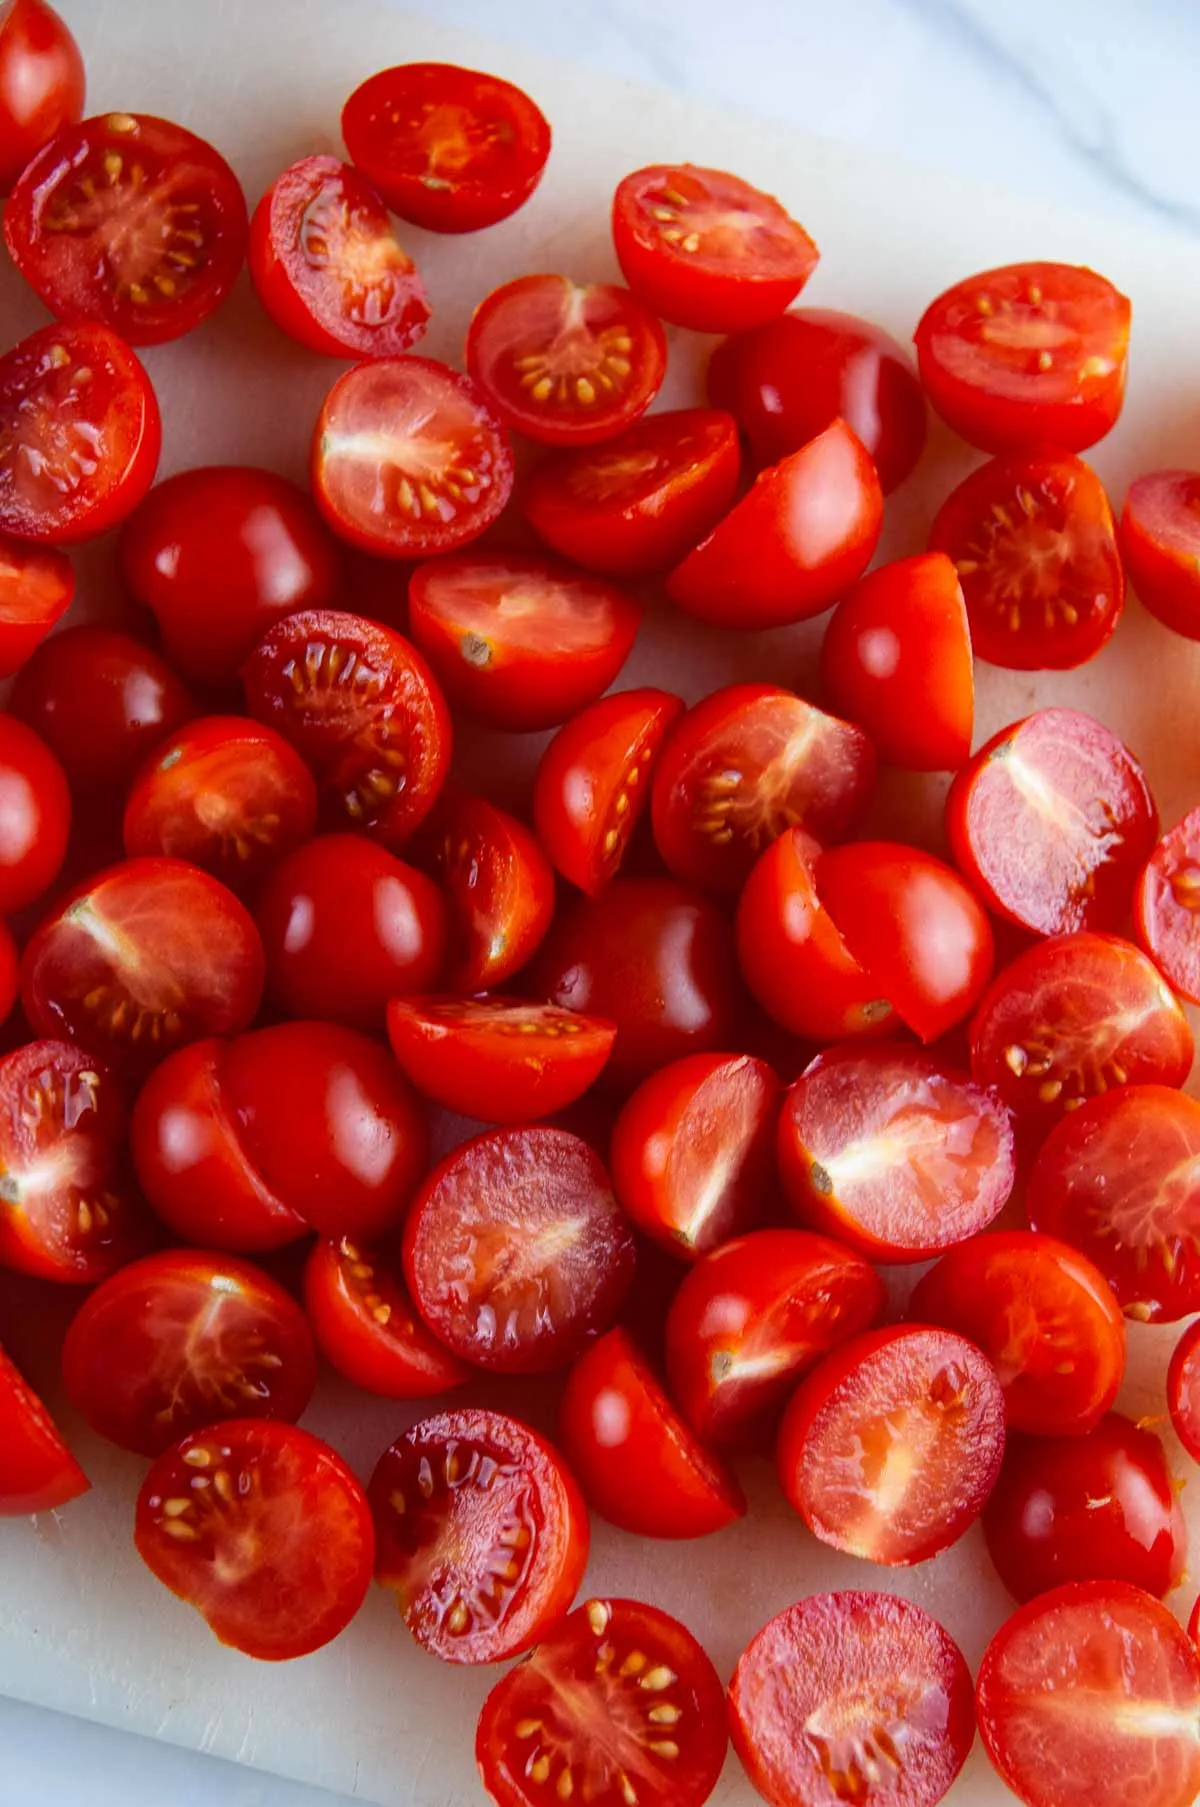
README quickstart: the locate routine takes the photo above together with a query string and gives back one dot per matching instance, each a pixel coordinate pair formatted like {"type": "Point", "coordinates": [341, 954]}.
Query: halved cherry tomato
{"type": "Point", "coordinates": [520, 642]}
{"type": "Point", "coordinates": [793, 545]}
{"type": "Point", "coordinates": [705, 249]}
{"type": "Point", "coordinates": [182, 1340]}
{"type": "Point", "coordinates": [80, 434]}
{"type": "Point", "coordinates": [1071, 1017]}
{"type": "Point", "coordinates": [451, 149]}
{"type": "Point", "coordinates": [499, 886]}
{"type": "Point", "coordinates": [897, 660]}
{"type": "Point", "coordinates": [617, 1699]}
{"type": "Point", "coordinates": [752, 1317]}
{"type": "Point", "coordinates": [1045, 1317]}
{"type": "Point", "coordinates": [329, 269]}
{"type": "Point", "coordinates": [639, 1465]}
{"type": "Point", "coordinates": [35, 810]}
{"type": "Point", "coordinates": [41, 83]}
{"type": "Point", "coordinates": [503, 1060]}
{"type": "Point", "coordinates": [1160, 542]}
{"type": "Point", "coordinates": [852, 1697]}
{"type": "Point", "coordinates": [37, 584]}
{"type": "Point", "coordinates": [482, 1534]}
{"type": "Point", "coordinates": [1183, 1389]}
{"type": "Point", "coordinates": [593, 782]}
{"type": "Point", "coordinates": [1026, 353]}
{"type": "Point", "coordinates": [409, 459]}
{"type": "Point", "coordinates": [264, 1530]}
{"type": "Point", "coordinates": [366, 1326]}
{"type": "Point", "coordinates": [1165, 905]}
{"type": "Point", "coordinates": [131, 221]}
{"type": "Point", "coordinates": [1090, 1694]}
{"type": "Point", "coordinates": [640, 501]}
{"type": "Point", "coordinates": [1034, 540]}
{"type": "Point", "coordinates": [38, 1473]}
{"type": "Point", "coordinates": [745, 764]}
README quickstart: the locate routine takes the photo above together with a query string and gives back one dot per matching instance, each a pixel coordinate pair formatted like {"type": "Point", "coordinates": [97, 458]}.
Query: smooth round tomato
{"type": "Point", "coordinates": [503, 1060]}
{"type": "Point", "coordinates": [1090, 1693]}
{"type": "Point", "coordinates": [852, 1697]}
{"type": "Point", "coordinates": [182, 1340]}
{"type": "Point", "coordinates": [37, 585]}
{"type": "Point", "coordinates": [639, 1465]}
{"type": "Point", "coordinates": [80, 434]}
{"type": "Point", "coordinates": [593, 782]}
{"type": "Point", "coordinates": [704, 249]}
{"type": "Point", "coordinates": [41, 83]}
{"type": "Point", "coordinates": [896, 659]}
{"type": "Point", "coordinates": [519, 642]}
{"type": "Point", "coordinates": [220, 554]}
{"type": "Point", "coordinates": [1166, 900]}
{"type": "Point", "coordinates": [1050, 822]}
{"type": "Point", "coordinates": [451, 149]}
{"type": "Point", "coordinates": [367, 1328]}
{"type": "Point", "coordinates": [1035, 544]}
{"type": "Point", "coordinates": [1026, 353]}
{"type": "Point", "coordinates": [804, 533]}
{"type": "Point", "coordinates": [329, 269]}
{"type": "Point", "coordinates": [264, 1530]}
{"type": "Point", "coordinates": [641, 500]}
{"type": "Point", "coordinates": [745, 764]}
{"type": "Point", "coordinates": [1160, 543]}
{"type": "Point", "coordinates": [1183, 1389]}
{"type": "Point", "coordinates": [788, 379]}
{"type": "Point", "coordinates": [35, 816]}
{"type": "Point", "coordinates": [1045, 1317]}
{"type": "Point", "coordinates": [408, 458]}
{"type": "Point", "coordinates": [499, 886]}
{"type": "Point", "coordinates": [617, 1698]}
{"type": "Point", "coordinates": [482, 1533]}
{"type": "Point", "coordinates": [38, 1473]}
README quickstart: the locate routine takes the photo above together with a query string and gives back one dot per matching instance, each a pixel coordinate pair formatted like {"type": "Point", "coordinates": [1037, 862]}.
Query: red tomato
{"type": "Point", "coordinates": [499, 886]}
{"type": "Point", "coordinates": [451, 149]}
{"type": "Point", "coordinates": [638, 1463]}
{"type": "Point", "coordinates": [35, 810]}
{"type": "Point", "coordinates": [752, 1317]}
{"type": "Point", "coordinates": [1165, 905]}
{"type": "Point", "coordinates": [363, 710]}
{"type": "Point", "coordinates": [747, 763]}
{"type": "Point", "coordinates": [520, 642]}
{"type": "Point", "coordinates": [80, 434]}
{"type": "Point", "coordinates": [264, 1530]}
{"type": "Point", "coordinates": [503, 1060]}
{"type": "Point", "coordinates": [1046, 1319]}
{"type": "Point", "coordinates": [182, 1340]}
{"type": "Point", "coordinates": [852, 1697]}
{"type": "Point", "coordinates": [9, 962]}
{"type": "Point", "coordinates": [705, 249]}
{"type": "Point", "coordinates": [616, 1699]}
{"type": "Point", "coordinates": [1160, 542]}
{"type": "Point", "coordinates": [1183, 1389]}
{"type": "Point", "coordinates": [1034, 540]}
{"type": "Point", "coordinates": [41, 83]}
{"type": "Point", "coordinates": [482, 1534]}
{"type": "Point", "coordinates": [1090, 1694]}
{"type": "Point", "coordinates": [345, 926]}
{"type": "Point", "coordinates": [793, 545]}
{"type": "Point", "coordinates": [329, 269]}
{"type": "Point", "coordinates": [409, 459]}
{"type": "Point", "coordinates": [1026, 353]}
{"type": "Point", "coordinates": [38, 1473]}
{"type": "Point", "coordinates": [788, 379]}
{"type": "Point", "coordinates": [366, 1326]}
{"type": "Point", "coordinates": [593, 782]}
{"type": "Point", "coordinates": [37, 584]}
{"type": "Point", "coordinates": [890, 1449]}
{"type": "Point", "coordinates": [693, 1151]}
{"type": "Point", "coordinates": [220, 554]}
{"type": "Point", "coordinates": [640, 501]}
{"type": "Point", "coordinates": [897, 660]}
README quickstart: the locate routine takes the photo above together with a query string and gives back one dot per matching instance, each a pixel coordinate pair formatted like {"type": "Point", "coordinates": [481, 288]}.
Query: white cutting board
{"type": "Point", "coordinates": [83, 1627]}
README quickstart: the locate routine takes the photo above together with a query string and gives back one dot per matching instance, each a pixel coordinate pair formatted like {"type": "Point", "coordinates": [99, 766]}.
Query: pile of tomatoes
{"type": "Point", "coordinates": [265, 954]}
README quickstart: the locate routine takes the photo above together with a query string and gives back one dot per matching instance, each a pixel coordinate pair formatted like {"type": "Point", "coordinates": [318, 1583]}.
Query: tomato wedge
{"type": "Point", "coordinates": [366, 1326]}
{"type": "Point", "coordinates": [38, 1473]}
{"type": "Point", "coordinates": [1160, 542]}
{"type": "Point", "coordinates": [37, 584]}
{"type": "Point", "coordinates": [503, 1060]}
{"type": "Point", "coordinates": [1165, 906]}
{"type": "Point", "coordinates": [499, 886]}
{"type": "Point", "coordinates": [1183, 1389]}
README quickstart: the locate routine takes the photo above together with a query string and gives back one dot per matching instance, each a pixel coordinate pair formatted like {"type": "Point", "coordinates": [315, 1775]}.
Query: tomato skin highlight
{"type": "Point", "coordinates": [1160, 543]}
{"type": "Point", "coordinates": [35, 806]}
{"type": "Point", "coordinates": [367, 1327]}
{"type": "Point", "coordinates": [42, 84]}
{"type": "Point", "coordinates": [37, 585]}
{"type": "Point", "coordinates": [38, 1473]}
{"type": "Point", "coordinates": [502, 1060]}
{"type": "Point", "coordinates": [1164, 907]}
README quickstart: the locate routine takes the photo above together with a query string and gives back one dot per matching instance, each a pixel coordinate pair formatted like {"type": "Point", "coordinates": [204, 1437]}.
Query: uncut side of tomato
{"type": "Point", "coordinates": [366, 1325]}
{"type": "Point", "coordinates": [1160, 543]}
{"type": "Point", "coordinates": [35, 809]}
{"type": "Point", "coordinates": [502, 1060]}
{"type": "Point", "coordinates": [38, 1473]}
{"type": "Point", "coordinates": [42, 83]}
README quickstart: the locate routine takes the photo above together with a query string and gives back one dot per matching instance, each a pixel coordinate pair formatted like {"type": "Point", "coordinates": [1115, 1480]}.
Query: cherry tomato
{"type": "Point", "coordinates": [1034, 540]}
{"type": "Point", "coordinates": [1183, 1390]}
{"type": "Point", "coordinates": [519, 642]}
{"type": "Point", "coordinates": [1089, 1694]}
{"type": "Point", "coordinates": [363, 710]}
{"type": "Point", "coordinates": [9, 972]}
{"type": "Point", "coordinates": [499, 886]}
{"type": "Point", "coordinates": [264, 1530]}
{"type": "Point", "coordinates": [593, 782]}
{"type": "Point", "coordinates": [640, 501]}
{"type": "Point", "coordinates": [503, 1060]}
{"type": "Point", "coordinates": [852, 1697]}
{"type": "Point", "coordinates": [451, 149]}
{"type": "Point", "coordinates": [793, 545]}
{"type": "Point", "coordinates": [1165, 903]}
{"type": "Point", "coordinates": [37, 585]}
{"type": "Point", "coordinates": [38, 1473]}
{"type": "Point", "coordinates": [41, 83]}
{"type": "Point", "coordinates": [482, 1534]}
{"type": "Point", "coordinates": [1160, 543]}
{"type": "Point", "coordinates": [897, 660]}
{"type": "Point", "coordinates": [705, 249]}
{"type": "Point", "coordinates": [1045, 1317]}
{"type": "Point", "coordinates": [329, 269]}
{"type": "Point", "coordinates": [35, 810]}
{"type": "Point", "coordinates": [220, 554]}
{"type": "Point", "coordinates": [409, 459]}
{"type": "Point", "coordinates": [616, 1699]}
{"type": "Point", "coordinates": [638, 1463]}
{"type": "Point", "coordinates": [1027, 353]}
{"type": "Point", "coordinates": [80, 434]}
{"type": "Point", "coordinates": [366, 1326]}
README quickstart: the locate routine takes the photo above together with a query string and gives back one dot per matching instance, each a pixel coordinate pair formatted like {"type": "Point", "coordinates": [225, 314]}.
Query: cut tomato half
{"type": "Point", "coordinates": [38, 1473]}
{"type": "Point", "coordinates": [503, 1060]}
{"type": "Point", "coordinates": [367, 1328]}
{"type": "Point", "coordinates": [1160, 541]}
{"type": "Point", "coordinates": [1166, 906]}
{"type": "Point", "coordinates": [37, 584]}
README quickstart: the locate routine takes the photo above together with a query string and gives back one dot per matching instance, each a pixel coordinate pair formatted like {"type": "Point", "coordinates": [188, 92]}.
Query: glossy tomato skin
{"type": "Point", "coordinates": [367, 1328]}
{"type": "Point", "coordinates": [502, 1060]}
{"type": "Point", "coordinates": [1160, 543]}
{"type": "Point", "coordinates": [42, 83]}
{"type": "Point", "coordinates": [1165, 901]}
{"type": "Point", "coordinates": [37, 584]}
{"type": "Point", "coordinates": [9, 969]}
{"type": "Point", "coordinates": [38, 1473]}
{"type": "Point", "coordinates": [35, 806]}
{"type": "Point", "coordinates": [499, 886]}
{"type": "Point", "coordinates": [1183, 1390]}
